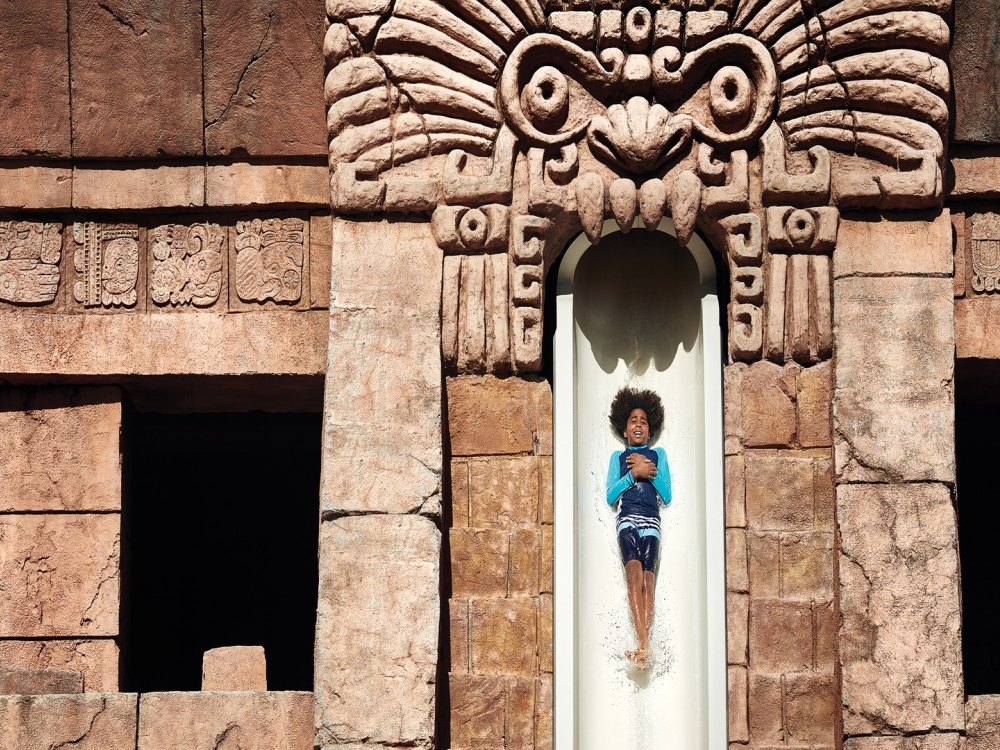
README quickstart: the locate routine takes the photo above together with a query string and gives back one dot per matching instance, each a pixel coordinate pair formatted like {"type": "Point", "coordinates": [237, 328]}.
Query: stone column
{"type": "Point", "coordinates": [379, 601]}
{"type": "Point", "coordinates": [780, 565]}
{"type": "Point", "coordinates": [60, 536]}
{"type": "Point", "coordinates": [900, 643]}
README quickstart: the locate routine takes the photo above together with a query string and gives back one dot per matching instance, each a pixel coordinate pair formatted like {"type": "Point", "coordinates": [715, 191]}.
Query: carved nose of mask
{"type": "Point", "coordinates": [639, 136]}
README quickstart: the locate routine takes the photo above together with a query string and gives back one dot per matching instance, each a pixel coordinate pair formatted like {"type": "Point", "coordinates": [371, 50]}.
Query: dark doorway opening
{"type": "Point", "coordinates": [977, 449]}
{"type": "Point", "coordinates": [223, 532]}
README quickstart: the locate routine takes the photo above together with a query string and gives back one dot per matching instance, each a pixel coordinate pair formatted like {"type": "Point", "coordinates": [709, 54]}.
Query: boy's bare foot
{"type": "Point", "coordinates": [642, 657]}
{"type": "Point", "coordinates": [632, 656]}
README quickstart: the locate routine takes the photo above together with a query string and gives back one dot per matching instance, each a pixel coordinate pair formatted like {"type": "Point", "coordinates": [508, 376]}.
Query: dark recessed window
{"type": "Point", "coordinates": [977, 446]}
{"type": "Point", "coordinates": [222, 525]}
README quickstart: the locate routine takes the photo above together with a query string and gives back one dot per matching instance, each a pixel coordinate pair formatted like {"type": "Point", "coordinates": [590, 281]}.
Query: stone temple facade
{"type": "Point", "coordinates": [181, 234]}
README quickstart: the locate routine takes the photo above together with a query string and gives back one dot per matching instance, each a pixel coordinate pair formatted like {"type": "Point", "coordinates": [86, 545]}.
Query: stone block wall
{"type": "Point", "coordinates": [61, 532]}
{"type": "Point", "coordinates": [500, 610]}
{"type": "Point", "coordinates": [781, 566]}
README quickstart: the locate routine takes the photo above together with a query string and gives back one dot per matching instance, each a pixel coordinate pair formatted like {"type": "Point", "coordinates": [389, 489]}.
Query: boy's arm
{"type": "Point", "coordinates": [661, 482]}
{"type": "Point", "coordinates": [617, 485]}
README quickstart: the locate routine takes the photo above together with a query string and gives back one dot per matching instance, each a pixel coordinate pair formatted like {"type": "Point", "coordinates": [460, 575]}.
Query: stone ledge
{"type": "Point", "coordinates": [280, 343]}
{"type": "Point", "coordinates": [96, 720]}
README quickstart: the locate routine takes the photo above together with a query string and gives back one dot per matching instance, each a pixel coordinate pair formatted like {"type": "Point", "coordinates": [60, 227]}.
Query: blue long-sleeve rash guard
{"type": "Point", "coordinates": [618, 485]}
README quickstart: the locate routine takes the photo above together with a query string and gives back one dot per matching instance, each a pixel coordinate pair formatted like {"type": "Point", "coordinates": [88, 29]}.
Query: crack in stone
{"type": "Point", "coordinates": [86, 733]}
{"type": "Point", "coordinates": [257, 55]}
{"type": "Point", "coordinates": [112, 563]}
{"type": "Point", "coordinates": [122, 21]}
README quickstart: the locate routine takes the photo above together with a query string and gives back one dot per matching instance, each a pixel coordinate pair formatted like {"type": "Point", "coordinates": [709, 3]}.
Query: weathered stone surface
{"type": "Point", "coordinates": [736, 512]}
{"type": "Point", "coordinates": [234, 668]}
{"type": "Point", "coordinates": [811, 708]}
{"type": "Point", "coordinates": [95, 659]}
{"type": "Point", "coordinates": [813, 406]}
{"type": "Point", "coordinates": [975, 176]}
{"type": "Point", "coordinates": [34, 65]}
{"type": "Point", "coordinates": [264, 78]}
{"type": "Point", "coordinates": [479, 562]}
{"type": "Point", "coordinates": [765, 564]}
{"type": "Point", "coordinates": [284, 343]}
{"type": "Point", "coordinates": [764, 710]}
{"type": "Point", "coordinates": [543, 714]}
{"type": "Point", "coordinates": [242, 184]}
{"type": "Point", "coordinates": [768, 405]}
{"type": "Point", "coordinates": [733, 412]}
{"type": "Point", "coordinates": [781, 636]}
{"type": "Point", "coordinates": [982, 722]}
{"type": "Point", "coordinates": [520, 729]}
{"type": "Point", "coordinates": [458, 628]}
{"type": "Point", "coordinates": [546, 498]}
{"type": "Point", "coordinates": [525, 553]}
{"type": "Point", "coordinates": [489, 415]}
{"type": "Point", "coordinates": [59, 574]}
{"type": "Point", "coordinates": [545, 570]}
{"type": "Point", "coordinates": [504, 492]}
{"type": "Point", "coordinates": [213, 721]}
{"type": "Point", "coordinates": [22, 681]}
{"type": "Point", "coordinates": [545, 633]}
{"type": "Point", "coordinates": [459, 493]}
{"type": "Point", "coordinates": [377, 573]}
{"type": "Point", "coordinates": [61, 449]}
{"type": "Point", "coordinates": [737, 624]}
{"type": "Point", "coordinates": [320, 257]}
{"type": "Point", "coordinates": [935, 741]}
{"type": "Point", "coordinates": [908, 243]}
{"type": "Point", "coordinates": [736, 560]}
{"type": "Point", "coordinates": [781, 491]}
{"type": "Point", "coordinates": [976, 319]}
{"type": "Point", "coordinates": [478, 714]}
{"type": "Point", "coordinates": [738, 727]}
{"type": "Point", "coordinates": [900, 643]}
{"type": "Point", "coordinates": [166, 186]}
{"type": "Point", "coordinates": [975, 72]}
{"type": "Point", "coordinates": [395, 336]}
{"type": "Point", "coordinates": [29, 186]}
{"type": "Point", "coordinates": [807, 565]}
{"type": "Point", "coordinates": [148, 104]}
{"type": "Point", "coordinates": [82, 722]}
{"type": "Point", "coordinates": [504, 634]}
{"type": "Point", "coordinates": [893, 403]}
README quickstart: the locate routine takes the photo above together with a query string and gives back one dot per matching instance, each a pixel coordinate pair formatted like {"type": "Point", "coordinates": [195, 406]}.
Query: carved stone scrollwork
{"type": "Point", "coordinates": [29, 261]}
{"type": "Point", "coordinates": [752, 121]}
{"type": "Point", "coordinates": [107, 257]}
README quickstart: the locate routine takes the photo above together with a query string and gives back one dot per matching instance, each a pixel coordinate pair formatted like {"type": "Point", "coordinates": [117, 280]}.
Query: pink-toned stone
{"type": "Point", "coordinates": [164, 186]}
{"type": "Point", "coordinates": [34, 64]}
{"type": "Point", "coordinates": [736, 510]}
{"type": "Point", "coordinates": [219, 721]}
{"type": "Point", "coordinates": [543, 714]}
{"type": "Point", "coordinates": [976, 317]}
{"type": "Point", "coordinates": [273, 342]}
{"type": "Point", "coordinates": [525, 554]}
{"type": "Point", "coordinates": [61, 449]}
{"type": "Point", "coordinates": [367, 467]}
{"type": "Point", "coordinates": [504, 492]}
{"type": "Point", "coordinates": [545, 495]}
{"type": "Point", "coordinates": [82, 722]}
{"type": "Point", "coordinates": [520, 734]}
{"type": "Point", "coordinates": [320, 257]}
{"type": "Point", "coordinates": [811, 708]}
{"type": "Point", "coordinates": [479, 562]}
{"type": "Point", "coordinates": [30, 186]}
{"type": "Point", "coordinates": [920, 245]}
{"type": "Point", "coordinates": [545, 574]}
{"type": "Point", "coordinates": [97, 660]}
{"type": "Point", "coordinates": [504, 634]}
{"type": "Point", "coordinates": [234, 668]}
{"type": "Point", "coordinates": [545, 633]}
{"type": "Point", "coordinates": [737, 624]}
{"type": "Point", "coordinates": [459, 493]}
{"type": "Point", "coordinates": [488, 415]}
{"type": "Point", "coordinates": [377, 629]}
{"type": "Point", "coordinates": [935, 741]}
{"type": "Point", "coordinates": [733, 413]}
{"type": "Point", "coordinates": [243, 184]}
{"type": "Point", "coordinates": [893, 405]}
{"type": "Point", "coordinates": [765, 564]}
{"type": "Point", "coordinates": [975, 177]}
{"type": "Point", "coordinates": [736, 560]}
{"type": "Point", "coordinates": [764, 710]}
{"type": "Point", "coordinates": [768, 405]}
{"type": "Point", "coordinates": [148, 104]}
{"type": "Point", "coordinates": [807, 565]}
{"type": "Point", "coordinates": [739, 730]}
{"type": "Point", "coordinates": [22, 681]}
{"type": "Point", "coordinates": [59, 575]}
{"type": "Point", "coordinates": [780, 491]}
{"type": "Point", "coordinates": [982, 722]}
{"type": "Point", "coordinates": [814, 409]}
{"type": "Point", "coordinates": [900, 642]}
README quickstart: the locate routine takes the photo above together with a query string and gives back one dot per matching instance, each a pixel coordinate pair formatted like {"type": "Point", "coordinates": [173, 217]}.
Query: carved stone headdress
{"type": "Point", "coordinates": [515, 125]}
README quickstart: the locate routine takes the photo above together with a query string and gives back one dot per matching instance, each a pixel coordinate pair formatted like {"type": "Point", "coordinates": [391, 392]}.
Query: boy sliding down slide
{"type": "Point", "coordinates": [639, 477]}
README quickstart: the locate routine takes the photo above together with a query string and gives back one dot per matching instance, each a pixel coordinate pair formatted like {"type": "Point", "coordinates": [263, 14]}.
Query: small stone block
{"type": "Point", "coordinates": [738, 725]}
{"type": "Point", "coordinates": [736, 511]}
{"type": "Point", "coordinates": [525, 552]}
{"type": "Point", "coordinates": [490, 416]}
{"type": "Point", "coordinates": [478, 712]}
{"type": "Point", "coordinates": [98, 721]}
{"type": "Point", "coordinates": [737, 623]}
{"type": "Point", "coordinates": [504, 492]}
{"type": "Point", "coordinates": [543, 714]}
{"type": "Point", "coordinates": [459, 493]}
{"type": "Point", "coordinates": [95, 660]}
{"type": "Point", "coordinates": [458, 623]}
{"type": "Point", "coordinates": [768, 411]}
{"type": "Point", "coordinates": [520, 734]}
{"type": "Point", "coordinates": [19, 681]}
{"type": "Point", "coordinates": [234, 668]}
{"type": "Point", "coordinates": [504, 636]}
{"type": "Point", "coordinates": [736, 560]}
{"type": "Point", "coordinates": [811, 708]}
{"type": "Point", "coordinates": [479, 562]}
{"type": "Point", "coordinates": [781, 636]}
{"type": "Point", "coordinates": [780, 492]}
{"type": "Point", "coordinates": [764, 710]}
{"type": "Point", "coordinates": [814, 411]}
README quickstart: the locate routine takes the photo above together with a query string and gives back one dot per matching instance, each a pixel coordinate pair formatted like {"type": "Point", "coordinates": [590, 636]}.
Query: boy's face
{"type": "Point", "coordinates": [637, 431]}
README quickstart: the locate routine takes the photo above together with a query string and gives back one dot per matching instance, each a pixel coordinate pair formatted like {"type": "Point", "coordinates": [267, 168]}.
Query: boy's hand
{"type": "Point", "coordinates": [641, 467]}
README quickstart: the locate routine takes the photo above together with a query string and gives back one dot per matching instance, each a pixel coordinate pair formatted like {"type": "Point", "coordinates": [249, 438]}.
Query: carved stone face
{"type": "Point", "coordinates": [121, 265]}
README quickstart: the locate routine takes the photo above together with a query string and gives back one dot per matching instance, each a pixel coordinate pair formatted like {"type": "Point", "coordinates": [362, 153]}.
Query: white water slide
{"type": "Point", "coordinates": [640, 310]}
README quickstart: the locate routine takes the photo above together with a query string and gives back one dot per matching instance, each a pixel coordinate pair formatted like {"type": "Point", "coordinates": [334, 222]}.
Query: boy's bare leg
{"type": "Point", "coordinates": [648, 584]}
{"type": "Point", "coordinates": [636, 603]}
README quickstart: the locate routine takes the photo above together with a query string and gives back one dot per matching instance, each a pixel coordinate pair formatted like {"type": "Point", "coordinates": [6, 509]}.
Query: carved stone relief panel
{"type": "Point", "coordinates": [187, 264]}
{"type": "Point", "coordinates": [29, 262]}
{"type": "Point", "coordinates": [985, 253]}
{"type": "Point", "coordinates": [109, 265]}
{"type": "Point", "coordinates": [752, 121]}
{"type": "Point", "coordinates": [269, 262]}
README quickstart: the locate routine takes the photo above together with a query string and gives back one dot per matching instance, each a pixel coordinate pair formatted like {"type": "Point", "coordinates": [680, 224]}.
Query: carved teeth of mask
{"type": "Point", "coordinates": [685, 201]}
{"type": "Point", "coordinates": [622, 197]}
{"type": "Point", "coordinates": [590, 204]}
{"type": "Point", "coordinates": [652, 199]}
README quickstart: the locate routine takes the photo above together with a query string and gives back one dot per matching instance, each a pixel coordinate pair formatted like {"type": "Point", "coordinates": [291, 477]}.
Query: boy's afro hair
{"type": "Point", "coordinates": [628, 399]}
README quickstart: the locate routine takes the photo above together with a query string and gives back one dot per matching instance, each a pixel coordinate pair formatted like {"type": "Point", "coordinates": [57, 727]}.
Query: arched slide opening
{"type": "Point", "coordinates": [639, 309]}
